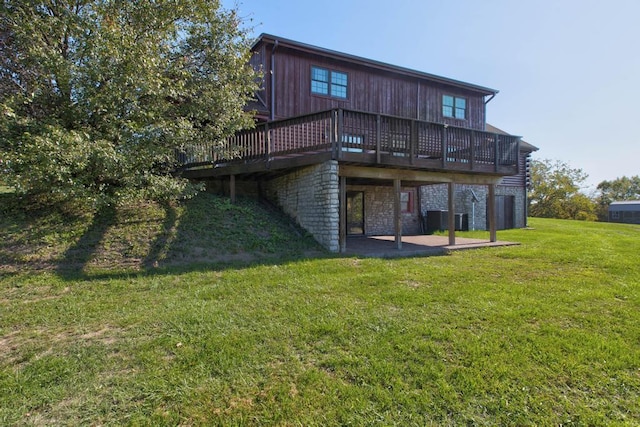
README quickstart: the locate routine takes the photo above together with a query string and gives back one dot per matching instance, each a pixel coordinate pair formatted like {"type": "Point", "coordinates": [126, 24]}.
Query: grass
{"type": "Point", "coordinates": [545, 333]}
{"type": "Point", "coordinates": [133, 238]}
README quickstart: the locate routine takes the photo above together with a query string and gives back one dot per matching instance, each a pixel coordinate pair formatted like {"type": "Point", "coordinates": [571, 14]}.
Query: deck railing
{"type": "Point", "coordinates": [368, 138]}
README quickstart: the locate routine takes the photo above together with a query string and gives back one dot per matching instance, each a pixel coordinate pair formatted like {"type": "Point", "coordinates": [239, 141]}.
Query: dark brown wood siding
{"type": "Point", "coordinates": [519, 179]}
{"type": "Point", "coordinates": [369, 90]}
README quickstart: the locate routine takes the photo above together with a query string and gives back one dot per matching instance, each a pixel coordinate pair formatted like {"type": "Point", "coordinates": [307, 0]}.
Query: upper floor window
{"type": "Point", "coordinates": [329, 82]}
{"type": "Point", "coordinates": [454, 107]}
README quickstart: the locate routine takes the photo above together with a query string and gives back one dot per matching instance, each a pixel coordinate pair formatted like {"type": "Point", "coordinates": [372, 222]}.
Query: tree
{"type": "Point", "coordinates": [555, 192]}
{"type": "Point", "coordinates": [618, 189]}
{"type": "Point", "coordinates": [96, 95]}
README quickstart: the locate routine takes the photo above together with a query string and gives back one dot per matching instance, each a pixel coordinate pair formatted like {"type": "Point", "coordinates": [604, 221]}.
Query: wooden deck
{"type": "Point", "coordinates": [356, 138]}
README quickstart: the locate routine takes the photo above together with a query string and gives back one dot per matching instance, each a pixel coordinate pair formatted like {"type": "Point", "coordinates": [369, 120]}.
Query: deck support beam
{"type": "Point", "coordinates": [397, 214]}
{"type": "Point", "coordinates": [451, 213]}
{"type": "Point", "coordinates": [342, 239]}
{"type": "Point", "coordinates": [492, 213]}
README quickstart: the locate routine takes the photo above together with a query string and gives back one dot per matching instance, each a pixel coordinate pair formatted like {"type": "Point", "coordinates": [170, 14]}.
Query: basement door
{"type": "Point", "coordinates": [355, 212]}
{"type": "Point", "coordinates": [505, 212]}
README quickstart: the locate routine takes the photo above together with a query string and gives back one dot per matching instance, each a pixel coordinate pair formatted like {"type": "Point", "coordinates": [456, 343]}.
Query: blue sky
{"type": "Point", "coordinates": [568, 71]}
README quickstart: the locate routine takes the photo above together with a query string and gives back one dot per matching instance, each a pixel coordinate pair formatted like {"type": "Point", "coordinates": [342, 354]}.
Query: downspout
{"type": "Point", "coordinates": [474, 199]}
{"type": "Point", "coordinates": [273, 81]}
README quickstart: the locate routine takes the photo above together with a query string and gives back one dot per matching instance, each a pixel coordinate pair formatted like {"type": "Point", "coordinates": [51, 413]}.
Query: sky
{"type": "Point", "coordinates": [568, 71]}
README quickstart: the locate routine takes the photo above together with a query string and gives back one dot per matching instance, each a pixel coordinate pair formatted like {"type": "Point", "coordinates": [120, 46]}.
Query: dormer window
{"type": "Point", "coordinates": [454, 107]}
{"type": "Point", "coordinates": [329, 82]}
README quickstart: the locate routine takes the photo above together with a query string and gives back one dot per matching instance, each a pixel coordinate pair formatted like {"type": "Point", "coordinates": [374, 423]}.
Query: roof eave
{"type": "Point", "coordinates": [283, 42]}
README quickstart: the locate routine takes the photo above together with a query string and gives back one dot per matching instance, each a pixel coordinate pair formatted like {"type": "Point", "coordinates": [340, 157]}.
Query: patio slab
{"type": "Point", "coordinates": [421, 245]}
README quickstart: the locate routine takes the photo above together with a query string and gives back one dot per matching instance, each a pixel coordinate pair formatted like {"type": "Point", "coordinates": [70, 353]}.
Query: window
{"type": "Point", "coordinates": [319, 81]}
{"type": "Point", "coordinates": [454, 107]}
{"type": "Point", "coordinates": [406, 201]}
{"type": "Point", "coordinates": [352, 143]}
{"type": "Point", "coordinates": [338, 84]}
{"type": "Point", "coordinates": [330, 83]}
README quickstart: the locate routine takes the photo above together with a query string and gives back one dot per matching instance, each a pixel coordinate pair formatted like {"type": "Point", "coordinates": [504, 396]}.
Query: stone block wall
{"type": "Point", "coordinates": [379, 207]}
{"type": "Point", "coordinates": [435, 197]}
{"type": "Point", "coordinates": [519, 194]}
{"type": "Point", "coordinates": [311, 196]}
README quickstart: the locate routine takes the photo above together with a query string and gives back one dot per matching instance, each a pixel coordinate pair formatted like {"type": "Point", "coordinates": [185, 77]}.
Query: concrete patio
{"type": "Point", "coordinates": [420, 245]}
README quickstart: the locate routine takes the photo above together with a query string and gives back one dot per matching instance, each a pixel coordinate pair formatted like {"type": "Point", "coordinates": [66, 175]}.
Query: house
{"type": "Point", "coordinates": [627, 212]}
{"type": "Point", "coordinates": [350, 146]}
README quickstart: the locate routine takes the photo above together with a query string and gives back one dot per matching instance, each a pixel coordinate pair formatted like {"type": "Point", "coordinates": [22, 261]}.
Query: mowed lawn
{"type": "Point", "coordinates": [545, 333]}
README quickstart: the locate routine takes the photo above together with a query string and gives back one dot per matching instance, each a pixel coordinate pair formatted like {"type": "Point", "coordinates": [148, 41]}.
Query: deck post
{"type": "Point", "coordinates": [232, 188]}
{"type": "Point", "coordinates": [267, 143]}
{"type": "Point", "coordinates": [397, 215]}
{"type": "Point", "coordinates": [452, 214]}
{"type": "Point", "coordinates": [492, 213]}
{"type": "Point", "coordinates": [378, 137]}
{"type": "Point", "coordinates": [342, 239]}
{"type": "Point", "coordinates": [496, 149]}
{"type": "Point", "coordinates": [340, 125]}
{"type": "Point", "coordinates": [472, 151]}
{"type": "Point", "coordinates": [413, 142]}
{"type": "Point", "coordinates": [444, 146]}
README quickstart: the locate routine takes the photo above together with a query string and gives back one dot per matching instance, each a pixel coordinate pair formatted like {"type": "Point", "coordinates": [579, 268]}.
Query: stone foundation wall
{"type": "Point", "coordinates": [379, 207]}
{"type": "Point", "coordinates": [519, 194]}
{"type": "Point", "coordinates": [435, 197]}
{"type": "Point", "coordinates": [311, 196]}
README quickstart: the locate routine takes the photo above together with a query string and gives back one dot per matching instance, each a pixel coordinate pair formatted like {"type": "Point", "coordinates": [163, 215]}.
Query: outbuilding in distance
{"type": "Point", "coordinates": [627, 212]}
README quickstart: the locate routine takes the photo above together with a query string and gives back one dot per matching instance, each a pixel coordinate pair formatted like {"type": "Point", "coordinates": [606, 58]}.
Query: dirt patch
{"type": "Point", "coordinates": [41, 342]}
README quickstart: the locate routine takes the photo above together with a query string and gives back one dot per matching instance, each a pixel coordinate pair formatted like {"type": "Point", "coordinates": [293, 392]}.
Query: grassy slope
{"type": "Point", "coordinates": [544, 333]}
{"type": "Point", "coordinates": [137, 238]}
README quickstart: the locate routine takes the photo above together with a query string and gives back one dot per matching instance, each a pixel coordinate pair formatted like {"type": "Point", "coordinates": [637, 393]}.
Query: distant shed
{"type": "Point", "coordinates": [627, 212]}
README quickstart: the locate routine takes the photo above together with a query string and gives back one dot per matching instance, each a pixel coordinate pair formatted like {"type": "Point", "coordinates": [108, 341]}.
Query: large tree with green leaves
{"type": "Point", "coordinates": [95, 95]}
{"type": "Point", "coordinates": [619, 189]}
{"type": "Point", "coordinates": [555, 192]}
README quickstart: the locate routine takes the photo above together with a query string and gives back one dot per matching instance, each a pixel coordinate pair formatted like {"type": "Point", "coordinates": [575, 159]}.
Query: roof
{"type": "Point", "coordinates": [627, 205]}
{"type": "Point", "coordinates": [524, 145]}
{"type": "Point", "coordinates": [292, 44]}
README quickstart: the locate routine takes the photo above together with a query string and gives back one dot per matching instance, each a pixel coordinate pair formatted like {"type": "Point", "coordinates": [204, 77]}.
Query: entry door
{"type": "Point", "coordinates": [505, 212]}
{"type": "Point", "coordinates": [355, 212]}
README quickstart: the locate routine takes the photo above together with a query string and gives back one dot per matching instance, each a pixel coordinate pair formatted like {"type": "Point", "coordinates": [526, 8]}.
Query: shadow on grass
{"type": "Point", "coordinates": [203, 267]}
{"type": "Point", "coordinates": [163, 241]}
{"type": "Point", "coordinates": [77, 256]}
{"type": "Point", "coordinates": [206, 234]}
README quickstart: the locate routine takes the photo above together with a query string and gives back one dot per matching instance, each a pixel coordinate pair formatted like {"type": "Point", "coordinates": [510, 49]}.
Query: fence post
{"type": "Point", "coordinates": [339, 131]}
{"type": "Point", "coordinates": [378, 137]}
{"type": "Point", "coordinates": [496, 149]}
{"type": "Point", "coordinates": [472, 150]}
{"type": "Point", "coordinates": [413, 142]}
{"type": "Point", "coordinates": [333, 123]}
{"type": "Point", "coordinates": [267, 143]}
{"type": "Point", "coordinates": [444, 146]}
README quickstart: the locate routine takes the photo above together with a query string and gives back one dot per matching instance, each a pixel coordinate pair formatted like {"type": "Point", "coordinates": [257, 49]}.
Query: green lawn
{"type": "Point", "coordinates": [546, 333]}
